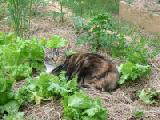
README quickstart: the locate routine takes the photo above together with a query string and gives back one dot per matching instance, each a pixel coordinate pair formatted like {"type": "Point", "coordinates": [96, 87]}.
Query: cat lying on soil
{"type": "Point", "coordinates": [91, 69]}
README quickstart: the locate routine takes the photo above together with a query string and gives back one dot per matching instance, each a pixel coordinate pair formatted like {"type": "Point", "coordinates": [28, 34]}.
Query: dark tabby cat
{"type": "Point", "coordinates": [91, 70]}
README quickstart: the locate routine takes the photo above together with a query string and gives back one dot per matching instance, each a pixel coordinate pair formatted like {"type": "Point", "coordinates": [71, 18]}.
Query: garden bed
{"type": "Point", "coordinates": [121, 103]}
{"type": "Point", "coordinates": [145, 13]}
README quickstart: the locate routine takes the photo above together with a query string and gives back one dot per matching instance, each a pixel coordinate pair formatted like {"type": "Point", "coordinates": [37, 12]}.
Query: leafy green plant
{"type": "Point", "coordinates": [5, 89]}
{"type": "Point", "coordinates": [56, 42]}
{"type": "Point", "coordinates": [79, 23]}
{"type": "Point", "coordinates": [81, 107]}
{"type": "Point", "coordinates": [16, 116]}
{"type": "Point", "coordinates": [117, 45]}
{"type": "Point", "coordinates": [7, 38]}
{"type": "Point", "coordinates": [138, 114]}
{"type": "Point", "coordinates": [8, 103]}
{"type": "Point", "coordinates": [17, 54]}
{"type": "Point", "coordinates": [130, 71]}
{"type": "Point", "coordinates": [21, 72]}
{"type": "Point", "coordinates": [95, 31]}
{"type": "Point", "coordinates": [12, 109]}
{"type": "Point", "coordinates": [17, 59]}
{"type": "Point", "coordinates": [45, 87]}
{"type": "Point", "coordinates": [149, 96]}
{"type": "Point", "coordinates": [137, 52]}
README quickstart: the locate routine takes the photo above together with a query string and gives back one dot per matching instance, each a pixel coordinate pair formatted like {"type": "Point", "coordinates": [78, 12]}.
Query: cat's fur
{"type": "Point", "coordinates": [53, 57]}
{"type": "Point", "coordinates": [91, 70]}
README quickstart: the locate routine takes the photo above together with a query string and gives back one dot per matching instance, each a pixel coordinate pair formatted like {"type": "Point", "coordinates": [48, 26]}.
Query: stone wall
{"type": "Point", "coordinates": [150, 22]}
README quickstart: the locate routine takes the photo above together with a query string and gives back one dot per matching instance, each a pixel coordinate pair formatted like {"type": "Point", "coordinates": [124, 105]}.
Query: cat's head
{"type": "Point", "coordinates": [53, 58]}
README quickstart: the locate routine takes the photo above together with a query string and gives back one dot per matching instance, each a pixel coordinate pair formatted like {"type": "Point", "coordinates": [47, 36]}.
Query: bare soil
{"type": "Point", "coordinates": [120, 103]}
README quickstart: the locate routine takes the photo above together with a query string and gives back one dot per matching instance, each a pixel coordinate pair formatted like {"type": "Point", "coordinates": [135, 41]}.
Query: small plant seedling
{"type": "Point", "coordinates": [149, 96]}
{"type": "Point", "coordinates": [138, 114]}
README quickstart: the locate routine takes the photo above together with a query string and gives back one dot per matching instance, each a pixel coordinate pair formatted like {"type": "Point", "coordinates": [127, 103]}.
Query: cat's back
{"type": "Point", "coordinates": [89, 63]}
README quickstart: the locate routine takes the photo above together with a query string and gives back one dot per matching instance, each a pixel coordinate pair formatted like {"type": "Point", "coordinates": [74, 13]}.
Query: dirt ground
{"type": "Point", "coordinates": [149, 5]}
{"type": "Point", "coordinates": [120, 104]}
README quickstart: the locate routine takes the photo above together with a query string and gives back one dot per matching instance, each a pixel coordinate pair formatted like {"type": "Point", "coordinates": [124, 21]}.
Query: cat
{"type": "Point", "coordinates": [52, 58]}
{"type": "Point", "coordinates": [92, 70]}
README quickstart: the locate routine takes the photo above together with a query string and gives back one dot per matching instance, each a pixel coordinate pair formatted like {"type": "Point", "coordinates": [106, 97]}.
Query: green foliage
{"type": "Point", "coordinates": [16, 116]}
{"type": "Point", "coordinates": [21, 72]}
{"type": "Point", "coordinates": [95, 31]}
{"type": "Point", "coordinates": [137, 52]}
{"type": "Point", "coordinates": [12, 108]}
{"type": "Point", "coordinates": [5, 89]}
{"type": "Point", "coordinates": [77, 105]}
{"type": "Point", "coordinates": [56, 42]}
{"type": "Point", "coordinates": [18, 55]}
{"type": "Point", "coordinates": [99, 33]}
{"type": "Point", "coordinates": [17, 59]}
{"type": "Point", "coordinates": [79, 23]}
{"type": "Point", "coordinates": [138, 114]}
{"type": "Point", "coordinates": [117, 45]}
{"type": "Point", "coordinates": [130, 71]}
{"type": "Point", "coordinates": [81, 107]}
{"type": "Point", "coordinates": [149, 96]}
{"type": "Point", "coordinates": [45, 87]}
{"type": "Point", "coordinates": [88, 8]}
{"type": "Point", "coordinates": [7, 38]}
{"type": "Point", "coordinates": [19, 14]}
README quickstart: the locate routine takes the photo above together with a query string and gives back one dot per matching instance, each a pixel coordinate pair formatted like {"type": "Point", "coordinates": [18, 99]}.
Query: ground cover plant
{"type": "Point", "coordinates": [138, 114]}
{"type": "Point", "coordinates": [18, 60]}
{"type": "Point", "coordinates": [149, 96]}
{"type": "Point", "coordinates": [81, 107]}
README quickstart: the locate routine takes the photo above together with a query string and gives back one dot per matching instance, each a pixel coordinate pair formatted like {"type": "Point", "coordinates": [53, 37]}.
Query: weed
{"type": "Point", "coordinates": [138, 114]}
{"type": "Point", "coordinates": [149, 96]}
{"type": "Point", "coordinates": [95, 31]}
{"type": "Point", "coordinates": [79, 23]}
{"type": "Point", "coordinates": [88, 8]}
{"type": "Point", "coordinates": [19, 14]}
